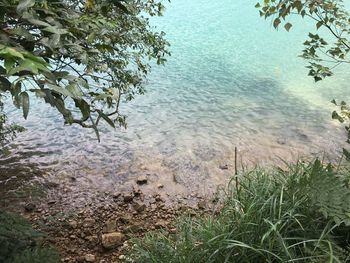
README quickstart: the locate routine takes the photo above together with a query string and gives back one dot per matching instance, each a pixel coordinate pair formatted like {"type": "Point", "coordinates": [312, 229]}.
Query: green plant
{"type": "Point", "coordinates": [82, 57]}
{"type": "Point", "coordinates": [18, 241]}
{"type": "Point", "coordinates": [294, 215]}
{"type": "Point", "coordinates": [324, 53]}
{"type": "Point", "coordinates": [7, 131]}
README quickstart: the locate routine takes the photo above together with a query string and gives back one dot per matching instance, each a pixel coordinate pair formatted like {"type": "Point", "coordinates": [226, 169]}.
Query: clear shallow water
{"type": "Point", "coordinates": [232, 81]}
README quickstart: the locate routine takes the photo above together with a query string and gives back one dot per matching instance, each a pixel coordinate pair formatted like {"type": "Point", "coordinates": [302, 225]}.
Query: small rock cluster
{"type": "Point", "coordinates": [101, 232]}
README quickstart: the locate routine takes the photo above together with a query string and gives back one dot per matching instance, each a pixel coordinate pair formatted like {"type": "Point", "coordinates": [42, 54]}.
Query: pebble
{"type": "Point", "coordinates": [201, 204]}
{"type": "Point", "coordinates": [139, 207]}
{"type": "Point", "coordinates": [90, 258]}
{"type": "Point", "coordinates": [73, 224]}
{"type": "Point", "coordinates": [128, 197]}
{"type": "Point", "coordinates": [88, 222]}
{"type": "Point", "coordinates": [160, 224]}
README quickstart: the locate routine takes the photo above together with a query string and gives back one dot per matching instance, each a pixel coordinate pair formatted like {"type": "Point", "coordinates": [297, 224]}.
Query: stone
{"type": "Point", "coordinates": [73, 224]}
{"type": "Point", "coordinates": [116, 194]}
{"type": "Point", "coordinates": [141, 180]}
{"type": "Point", "coordinates": [112, 240]}
{"type": "Point", "coordinates": [137, 191]}
{"type": "Point", "coordinates": [158, 198]}
{"type": "Point", "coordinates": [110, 226]}
{"type": "Point", "coordinates": [201, 204]}
{"type": "Point", "coordinates": [124, 219]}
{"type": "Point", "coordinates": [223, 167]}
{"type": "Point", "coordinates": [128, 198]}
{"type": "Point", "coordinates": [160, 186]}
{"type": "Point", "coordinates": [90, 258]}
{"type": "Point", "coordinates": [52, 184]}
{"type": "Point", "coordinates": [139, 207]}
{"type": "Point", "coordinates": [51, 202]}
{"type": "Point", "coordinates": [92, 239]}
{"type": "Point", "coordinates": [29, 207]}
{"type": "Point", "coordinates": [88, 222]}
{"type": "Point", "coordinates": [122, 257]}
{"type": "Point", "coordinates": [281, 141]}
{"type": "Point", "coordinates": [73, 179]}
{"type": "Point", "coordinates": [161, 224]}
{"type": "Point", "coordinates": [172, 231]}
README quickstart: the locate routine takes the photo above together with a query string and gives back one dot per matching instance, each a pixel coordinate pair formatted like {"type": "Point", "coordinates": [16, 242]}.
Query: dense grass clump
{"type": "Point", "coordinates": [297, 215]}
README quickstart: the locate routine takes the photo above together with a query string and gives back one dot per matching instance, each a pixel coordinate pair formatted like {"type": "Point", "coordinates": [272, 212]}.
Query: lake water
{"type": "Point", "coordinates": [232, 81]}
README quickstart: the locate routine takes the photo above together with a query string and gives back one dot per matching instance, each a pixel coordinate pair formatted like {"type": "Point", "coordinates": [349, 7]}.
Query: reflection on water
{"type": "Point", "coordinates": [228, 84]}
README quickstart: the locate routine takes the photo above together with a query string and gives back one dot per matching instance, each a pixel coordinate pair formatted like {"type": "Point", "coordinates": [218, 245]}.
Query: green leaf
{"type": "Point", "coordinates": [106, 118]}
{"type": "Point", "coordinates": [336, 116]}
{"type": "Point", "coordinates": [120, 6]}
{"type": "Point", "coordinates": [75, 91]}
{"type": "Point", "coordinates": [25, 103]}
{"type": "Point", "coordinates": [276, 22]}
{"type": "Point", "coordinates": [11, 52]}
{"type": "Point", "coordinates": [84, 108]}
{"type": "Point", "coordinates": [319, 24]}
{"type": "Point", "coordinates": [288, 26]}
{"type": "Point", "coordinates": [9, 64]}
{"type": "Point", "coordinates": [60, 90]}
{"type": "Point", "coordinates": [24, 5]}
{"type": "Point", "coordinates": [5, 84]}
{"type": "Point", "coordinates": [346, 154]}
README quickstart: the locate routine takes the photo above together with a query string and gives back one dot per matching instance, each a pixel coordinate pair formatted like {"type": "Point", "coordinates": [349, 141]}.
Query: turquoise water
{"type": "Point", "coordinates": [232, 81]}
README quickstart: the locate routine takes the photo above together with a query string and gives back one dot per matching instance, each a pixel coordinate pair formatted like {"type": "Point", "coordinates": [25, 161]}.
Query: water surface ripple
{"type": "Point", "coordinates": [232, 81]}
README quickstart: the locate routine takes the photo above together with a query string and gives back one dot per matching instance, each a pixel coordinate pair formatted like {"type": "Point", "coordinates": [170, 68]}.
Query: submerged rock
{"type": "Point", "coordinates": [141, 180]}
{"type": "Point", "coordinates": [223, 167]}
{"type": "Point", "coordinates": [281, 141]}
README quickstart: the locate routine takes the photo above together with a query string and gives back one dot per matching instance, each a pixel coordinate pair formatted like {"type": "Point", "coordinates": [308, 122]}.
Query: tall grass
{"type": "Point", "coordinates": [296, 215]}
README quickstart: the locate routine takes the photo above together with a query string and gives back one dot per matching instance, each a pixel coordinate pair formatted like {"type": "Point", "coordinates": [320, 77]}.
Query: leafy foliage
{"type": "Point", "coordinates": [325, 189]}
{"type": "Point", "coordinates": [17, 242]}
{"type": "Point", "coordinates": [7, 131]}
{"type": "Point", "coordinates": [295, 215]}
{"type": "Point", "coordinates": [81, 56]}
{"type": "Point", "coordinates": [342, 116]}
{"type": "Point", "coordinates": [329, 14]}
{"type": "Point", "coordinates": [323, 57]}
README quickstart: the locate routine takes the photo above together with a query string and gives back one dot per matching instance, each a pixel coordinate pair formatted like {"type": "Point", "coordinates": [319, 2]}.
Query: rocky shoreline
{"type": "Point", "coordinates": [102, 231]}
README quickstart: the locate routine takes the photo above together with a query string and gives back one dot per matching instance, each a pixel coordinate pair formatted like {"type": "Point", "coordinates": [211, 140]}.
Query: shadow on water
{"type": "Point", "coordinates": [178, 138]}
{"type": "Point", "coordinates": [20, 180]}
